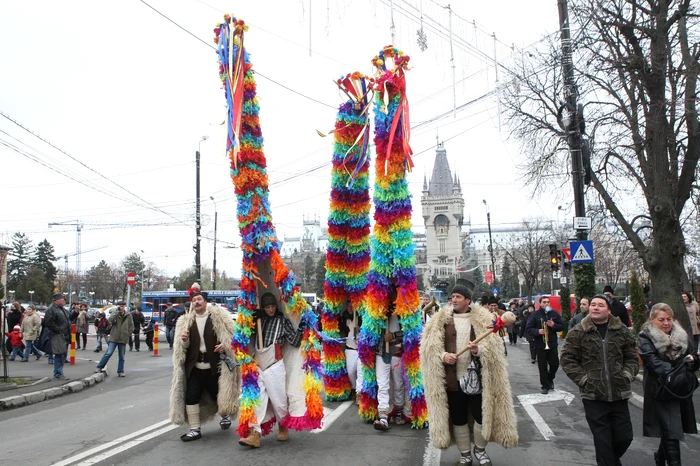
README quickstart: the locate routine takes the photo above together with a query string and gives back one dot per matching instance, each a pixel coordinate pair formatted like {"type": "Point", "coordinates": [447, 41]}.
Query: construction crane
{"type": "Point", "coordinates": [66, 256]}
{"type": "Point", "coordinates": [79, 227]}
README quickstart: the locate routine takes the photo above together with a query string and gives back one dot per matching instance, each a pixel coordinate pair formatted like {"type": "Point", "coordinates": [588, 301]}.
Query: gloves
{"type": "Point", "coordinates": [259, 314]}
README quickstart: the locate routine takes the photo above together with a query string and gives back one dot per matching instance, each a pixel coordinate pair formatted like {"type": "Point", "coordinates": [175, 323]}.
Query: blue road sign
{"type": "Point", "coordinates": [582, 252]}
{"type": "Point", "coordinates": [494, 290]}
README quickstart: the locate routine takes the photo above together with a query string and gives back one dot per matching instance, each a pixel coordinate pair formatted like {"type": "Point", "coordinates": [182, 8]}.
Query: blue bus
{"type": "Point", "coordinates": [154, 303]}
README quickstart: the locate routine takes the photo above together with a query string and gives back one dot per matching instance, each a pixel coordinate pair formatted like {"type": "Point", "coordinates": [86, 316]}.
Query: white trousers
{"type": "Point", "coordinates": [383, 385]}
{"type": "Point", "coordinates": [273, 389]}
{"type": "Point", "coordinates": [401, 399]}
{"type": "Point", "coordinates": [354, 369]}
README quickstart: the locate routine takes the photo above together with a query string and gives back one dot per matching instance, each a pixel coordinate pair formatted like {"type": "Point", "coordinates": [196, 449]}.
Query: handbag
{"type": "Point", "coordinates": [678, 384]}
{"type": "Point", "coordinates": [470, 382]}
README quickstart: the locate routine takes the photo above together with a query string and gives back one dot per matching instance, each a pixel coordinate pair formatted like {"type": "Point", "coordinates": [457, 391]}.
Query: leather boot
{"type": "Point", "coordinates": [283, 434]}
{"type": "Point", "coordinates": [672, 450]}
{"type": "Point", "coordinates": [252, 440]}
{"type": "Point", "coordinates": [659, 457]}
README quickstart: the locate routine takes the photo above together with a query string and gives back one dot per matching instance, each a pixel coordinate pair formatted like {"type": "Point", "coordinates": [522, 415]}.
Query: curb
{"type": "Point", "coordinates": [50, 393]}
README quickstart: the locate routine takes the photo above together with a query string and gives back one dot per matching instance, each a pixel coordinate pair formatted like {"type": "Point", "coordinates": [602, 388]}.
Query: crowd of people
{"type": "Point", "coordinates": [467, 391]}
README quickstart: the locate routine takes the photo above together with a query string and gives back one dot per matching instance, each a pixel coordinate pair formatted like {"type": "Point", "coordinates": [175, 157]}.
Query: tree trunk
{"type": "Point", "coordinates": [663, 261]}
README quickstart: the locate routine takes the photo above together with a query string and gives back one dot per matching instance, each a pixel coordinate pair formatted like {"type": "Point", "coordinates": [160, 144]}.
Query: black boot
{"type": "Point", "coordinates": [672, 451]}
{"type": "Point", "coordinates": [659, 457]}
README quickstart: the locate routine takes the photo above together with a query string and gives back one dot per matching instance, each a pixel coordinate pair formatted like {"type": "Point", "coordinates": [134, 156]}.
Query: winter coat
{"type": "Point", "coordinates": [171, 316]}
{"type": "Point", "coordinates": [693, 311]}
{"type": "Point", "coordinates": [139, 321]}
{"type": "Point", "coordinates": [229, 381]}
{"type": "Point", "coordinates": [13, 318]}
{"type": "Point", "coordinates": [15, 338]}
{"type": "Point", "coordinates": [661, 352]}
{"type": "Point", "coordinates": [620, 311]}
{"type": "Point", "coordinates": [122, 327]}
{"type": "Point", "coordinates": [31, 325]}
{"type": "Point", "coordinates": [83, 324]}
{"type": "Point", "coordinates": [575, 320]}
{"type": "Point", "coordinates": [57, 321]}
{"type": "Point", "coordinates": [499, 421]}
{"type": "Point", "coordinates": [534, 324]}
{"type": "Point", "coordinates": [602, 369]}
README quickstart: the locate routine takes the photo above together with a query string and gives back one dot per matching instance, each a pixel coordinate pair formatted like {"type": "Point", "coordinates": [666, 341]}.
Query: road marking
{"type": "Point", "coordinates": [431, 456]}
{"type": "Point", "coordinates": [329, 418]}
{"type": "Point", "coordinates": [127, 445]}
{"type": "Point", "coordinates": [110, 444]}
{"type": "Point", "coordinates": [528, 402]}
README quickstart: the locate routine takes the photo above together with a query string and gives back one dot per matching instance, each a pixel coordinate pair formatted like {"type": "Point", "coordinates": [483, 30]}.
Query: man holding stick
{"type": "Point", "coordinates": [482, 410]}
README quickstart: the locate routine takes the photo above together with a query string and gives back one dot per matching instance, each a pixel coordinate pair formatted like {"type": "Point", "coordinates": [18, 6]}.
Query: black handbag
{"type": "Point", "coordinates": [678, 384]}
{"type": "Point", "coordinates": [44, 342]}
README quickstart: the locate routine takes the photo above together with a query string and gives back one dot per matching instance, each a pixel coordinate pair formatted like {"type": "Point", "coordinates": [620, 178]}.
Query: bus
{"type": "Point", "coordinates": [154, 303]}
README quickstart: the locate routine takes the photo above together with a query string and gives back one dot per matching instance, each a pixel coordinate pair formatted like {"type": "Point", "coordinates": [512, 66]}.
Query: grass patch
{"type": "Point", "coordinates": [17, 381]}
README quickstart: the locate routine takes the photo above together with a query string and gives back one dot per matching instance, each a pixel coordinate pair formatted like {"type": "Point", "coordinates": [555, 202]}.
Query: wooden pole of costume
{"type": "Point", "coordinates": [258, 325]}
{"type": "Point", "coordinates": [503, 321]}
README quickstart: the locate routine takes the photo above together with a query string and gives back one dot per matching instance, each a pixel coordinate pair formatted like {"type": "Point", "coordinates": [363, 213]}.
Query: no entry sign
{"type": "Point", "coordinates": [131, 278]}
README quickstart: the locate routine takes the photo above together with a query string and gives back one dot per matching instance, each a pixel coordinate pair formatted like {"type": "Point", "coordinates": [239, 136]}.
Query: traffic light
{"type": "Point", "coordinates": [554, 257]}
{"type": "Point", "coordinates": [567, 266]}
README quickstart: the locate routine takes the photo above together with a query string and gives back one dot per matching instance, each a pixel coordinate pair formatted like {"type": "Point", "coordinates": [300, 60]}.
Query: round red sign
{"type": "Point", "coordinates": [131, 278]}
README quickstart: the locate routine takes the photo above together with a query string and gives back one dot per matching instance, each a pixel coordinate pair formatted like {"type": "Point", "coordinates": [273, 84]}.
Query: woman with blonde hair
{"type": "Point", "coordinates": [663, 345]}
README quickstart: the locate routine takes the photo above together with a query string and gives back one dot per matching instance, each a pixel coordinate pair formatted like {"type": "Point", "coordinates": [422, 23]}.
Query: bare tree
{"type": "Point", "coordinates": [527, 251]}
{"type": "Point", "coordinates": [615, 257]}
{"type": "Point", "coordinates": [637, 64]}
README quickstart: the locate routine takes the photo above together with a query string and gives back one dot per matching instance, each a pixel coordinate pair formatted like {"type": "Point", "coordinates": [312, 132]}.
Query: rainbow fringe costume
{"type": "Point", "coordinates": [249, 175]}
{"type": "Point", "coordinates": [347, 257]}
{"type": "Point", "coordinates": [393, 262]}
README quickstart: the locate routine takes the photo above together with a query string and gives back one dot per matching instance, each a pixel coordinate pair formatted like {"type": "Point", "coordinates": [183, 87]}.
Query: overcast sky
{"type": "Point", "coordinates": [130, 95]}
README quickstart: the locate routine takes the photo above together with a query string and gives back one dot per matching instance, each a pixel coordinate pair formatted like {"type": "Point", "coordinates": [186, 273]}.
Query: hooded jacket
{"type": "Point", "coordinates": [499, 421]}
{"type": "Point", "coordinates": [221, 326]}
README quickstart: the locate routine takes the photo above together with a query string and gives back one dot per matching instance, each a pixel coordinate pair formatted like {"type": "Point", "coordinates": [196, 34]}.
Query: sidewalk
{"type": "Point", "coordinates": [81, 375]}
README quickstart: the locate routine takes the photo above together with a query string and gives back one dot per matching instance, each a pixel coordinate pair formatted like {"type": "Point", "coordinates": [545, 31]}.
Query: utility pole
{"type": "Point", "coordinates": [452, 64]}
{"type": "Point", "coordinates": [198, 221]}
{"type": "Point", "coordinates": [488, 220]}
{"type": "Point", "coordinates": [393, 28]}
{"type": "Point", "coordinates": [216, 221]}
{"type": "Point", "coordinates": [571, 115]}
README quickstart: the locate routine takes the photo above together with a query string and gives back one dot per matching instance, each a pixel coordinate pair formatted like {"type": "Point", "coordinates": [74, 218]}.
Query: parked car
{"type": "Point", "coordinates": [92, 313]}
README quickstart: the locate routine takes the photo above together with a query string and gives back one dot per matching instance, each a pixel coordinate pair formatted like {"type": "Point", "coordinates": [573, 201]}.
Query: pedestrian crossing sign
{"type": "Point", "coordinates": [581, 252]}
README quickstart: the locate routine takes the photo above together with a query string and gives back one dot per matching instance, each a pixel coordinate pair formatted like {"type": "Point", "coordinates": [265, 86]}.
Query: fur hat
{"type": "Point", "coordinates": [57, 296]}
{"type": "Point", "coordinates": [268, 299]}
{"type": "Point", "coordinates": [463, 290]}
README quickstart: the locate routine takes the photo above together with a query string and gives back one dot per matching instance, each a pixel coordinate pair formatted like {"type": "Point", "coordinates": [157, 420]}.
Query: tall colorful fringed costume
{"type": "Point", "coordinates": [393, 262]}
{"type": "Point", "coordinates": [347, 257]}
{"type": "Point", "coordinates": [262, 265]}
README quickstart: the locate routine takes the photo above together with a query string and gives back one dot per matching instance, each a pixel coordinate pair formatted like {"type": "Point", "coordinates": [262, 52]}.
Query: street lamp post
{"type": "Point", "coordinates": [12, 293]}
{"type": "Point", "coordinates": [198, 226]}
{"type": "Point", "coordinates": [216, 220]}
{"type": "Point", "coordinates": [31, 296]}
{"type": "Point", "coordinates": [488, 220]}
{"type": "Point", "coordinates": [92, 298]}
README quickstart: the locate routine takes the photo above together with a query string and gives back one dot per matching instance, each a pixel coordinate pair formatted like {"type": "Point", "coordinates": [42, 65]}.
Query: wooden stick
{"type": "Point", "coordinates": [506, 319]}
{"type": "Point", "coordinates": [258, 324]}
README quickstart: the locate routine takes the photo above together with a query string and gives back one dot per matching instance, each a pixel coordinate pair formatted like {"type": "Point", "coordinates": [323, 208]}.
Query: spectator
{"type": "Point", "coordinates": [171, 316]}
{"type": "Point", "coordinates": [694, 315]}
{"type": "Point", "coordinates": [82, 326]}
{"type": "Point", "coordinates": [57, 321]}
{"type": "Point", "coordinates": [148, 332]}
{"type": "Point", "coordinates": [514, 328]}
{"type": "Point", "coordinates": [102, 327]}
{"type": "Point", "coordinates": [30, 329]}
{"type": "Point", "coordinates": [529, 310]}
{"type": "Point", "coordinates": [663, 345]}
{"type": "Point", "coordinates": [618, 309]}
{"type": "Point", "coordinates": [599, 357]}
{"type": "Point", "coordinates": [15, 338]}
{"type": "Point", "coordinates": [583, 312]}
{"type": "Point", "coordinates": [14, 317]}
{"type": "Point", "coordinates": [139, 321]}
{"type": "Point", "coordinates": [122, 329]}
{"type": "Point", "coordinates": [74, 313]}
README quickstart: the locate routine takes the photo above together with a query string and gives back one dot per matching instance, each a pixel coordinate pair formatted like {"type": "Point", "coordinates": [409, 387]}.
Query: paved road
{"type": "Point", "coordinates": [131, 413]}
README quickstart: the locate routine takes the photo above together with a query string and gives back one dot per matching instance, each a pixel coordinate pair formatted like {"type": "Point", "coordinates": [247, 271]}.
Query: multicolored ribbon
{"type": "Point", "coordinates": [248, 172]}
{"type": "Point", "coordinates": [347, 256]}
{"type": "Point", "coordinates": [393, 262]}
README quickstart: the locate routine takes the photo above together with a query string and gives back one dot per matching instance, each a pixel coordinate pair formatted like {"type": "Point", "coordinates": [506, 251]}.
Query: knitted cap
{"type": "Point", "coordinates": [463, 290]}
{"type": "Point", "coordinates": [268, 299]}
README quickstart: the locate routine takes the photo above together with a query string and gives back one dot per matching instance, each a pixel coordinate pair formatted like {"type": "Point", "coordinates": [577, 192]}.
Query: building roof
{"type": "Point", "coordinates": [441, 182]}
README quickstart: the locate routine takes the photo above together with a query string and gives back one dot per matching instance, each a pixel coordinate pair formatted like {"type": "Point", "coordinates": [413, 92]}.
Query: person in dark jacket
{"type": "Point", "coordinates": [102, 327]}
{"type": "Point", "coordinates": [547, 359]}
{"type": "Point", "coordinates": [148, 331]}
{"type": "Point", "coordinates": [14, 317]}
{"type": "Point", "coordinates": [618, 309]}
{"type": "Point", "coordinates": [600, 357]}
{"type": "Point", "coordinates": [529, 310]}
{"type": "Point", "coordinates": [583, 305]}
{"type": "Point", "coordinates": [57, 320]}
{"type": "Point", "coordinates": [139, 321]}
{"type": "Point", "coordinates": [663, 344]}
{"type": "Point", "coordinates": [171, 316]}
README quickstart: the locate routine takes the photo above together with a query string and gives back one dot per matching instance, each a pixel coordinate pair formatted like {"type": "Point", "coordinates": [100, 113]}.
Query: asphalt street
{"type": "Point", "coordinates": [124, 421]}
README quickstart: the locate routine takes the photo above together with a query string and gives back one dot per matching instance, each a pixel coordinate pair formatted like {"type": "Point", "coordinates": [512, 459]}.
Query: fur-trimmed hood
{"type": "Point", "coordinates": [499, 421]}
{"type": "Point", "coordinates": [670, 347]}
{"type": "Point", "coordinates": [229, 381]}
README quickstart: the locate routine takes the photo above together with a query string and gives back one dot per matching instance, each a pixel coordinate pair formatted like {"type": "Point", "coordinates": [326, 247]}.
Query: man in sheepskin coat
{"type": "Point", "coordinates": [449, 331]}
{"type": "Point", "coordinates": [201, 385]}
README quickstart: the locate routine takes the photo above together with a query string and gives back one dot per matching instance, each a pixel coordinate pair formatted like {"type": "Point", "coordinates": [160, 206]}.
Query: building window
{"type": "Point", "coordinates": [442, 224]}
{"type": "Point", "coordinates": [442, 245]}
{"type": "Point", "coordinates": [441, 207]}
